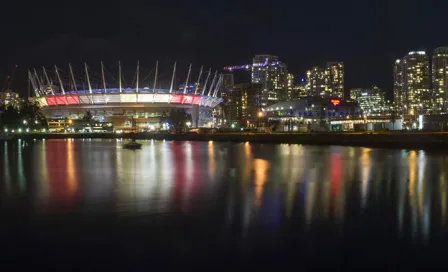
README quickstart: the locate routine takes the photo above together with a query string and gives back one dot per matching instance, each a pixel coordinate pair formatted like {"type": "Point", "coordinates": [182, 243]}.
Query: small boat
{"type": "Point", "coordinates": [132, 145]}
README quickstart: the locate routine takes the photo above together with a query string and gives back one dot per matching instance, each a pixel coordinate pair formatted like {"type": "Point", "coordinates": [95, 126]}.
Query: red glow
{"type": "Point", "coordinates": [187, 99]}
{"type": "Point", "coordinates": [335, 102]}
{"type": "Point", "coordinates": [196, 100]}
{"type": "Point", "coordinates": [72, 99]}
{"type": "Point", "coordinates": [51, 100]}
{"type": "Point", "coordinates": [61, 100]}
{"type": "Point", "coordinates": [177, 98]}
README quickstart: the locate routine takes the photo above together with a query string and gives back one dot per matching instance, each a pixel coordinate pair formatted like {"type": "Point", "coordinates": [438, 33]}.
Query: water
{"type": "Point", "coordinates": [89, 204]}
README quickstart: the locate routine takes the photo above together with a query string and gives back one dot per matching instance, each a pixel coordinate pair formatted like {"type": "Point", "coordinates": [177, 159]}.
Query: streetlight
{"type": "Point", "coordinates": [25, 122]}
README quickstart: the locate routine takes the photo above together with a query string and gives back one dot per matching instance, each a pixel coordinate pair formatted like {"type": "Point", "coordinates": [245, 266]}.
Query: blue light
{"type": "Point", "coordinates": [303, 79]}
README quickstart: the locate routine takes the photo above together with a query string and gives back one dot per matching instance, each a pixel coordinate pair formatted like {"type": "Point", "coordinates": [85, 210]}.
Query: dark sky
{"type": "Point", "coordinates": [367, 35]}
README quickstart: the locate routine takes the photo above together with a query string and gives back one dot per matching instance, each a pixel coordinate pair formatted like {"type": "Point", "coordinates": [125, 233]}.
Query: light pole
{"type": "Point", "coordinates": [365, 122]}
{"type": "Point", "coordinates": [259, 115]}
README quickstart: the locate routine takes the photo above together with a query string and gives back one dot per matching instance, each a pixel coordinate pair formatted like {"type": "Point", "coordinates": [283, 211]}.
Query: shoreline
{"type": "Point", "coordinates": [416, 140]}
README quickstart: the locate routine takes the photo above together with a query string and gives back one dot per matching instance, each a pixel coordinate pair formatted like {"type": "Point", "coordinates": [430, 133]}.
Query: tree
{"type": "Point", "coordinates": [27, 115]}
{"type": "Point", "coordinates": [88, 117]}
{"type": "Point", "coordinates": [31, 115]}
{"type": "Point", "coordinates": [10, 118]}
{"type": "Point", "coordinates": [178, 118]}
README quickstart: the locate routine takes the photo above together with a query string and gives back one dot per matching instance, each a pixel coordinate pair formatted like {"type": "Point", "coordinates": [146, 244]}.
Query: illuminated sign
{"type": "Point", "coordinates": [335, 102]}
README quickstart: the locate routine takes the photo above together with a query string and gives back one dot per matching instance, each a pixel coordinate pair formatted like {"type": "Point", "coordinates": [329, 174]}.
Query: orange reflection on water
{"type": "Point", "coordinates": [211, 159]}
{"type": "Point", "coordinates": [365, 174]}
{"type": "Point", "coordinates": [412, 169]}
{"type": "Point", "coordinates": [261, 168]}
{"type": "Point", "coordinates": [72, 178]}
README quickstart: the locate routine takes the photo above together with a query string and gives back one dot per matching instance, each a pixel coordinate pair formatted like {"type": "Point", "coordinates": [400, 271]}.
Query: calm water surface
{"type": "Point", "coordinates": [89, 204]}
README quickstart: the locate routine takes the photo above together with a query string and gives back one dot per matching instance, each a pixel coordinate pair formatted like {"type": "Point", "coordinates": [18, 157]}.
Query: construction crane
{"type": "Point", "coordinates": [9, 79]}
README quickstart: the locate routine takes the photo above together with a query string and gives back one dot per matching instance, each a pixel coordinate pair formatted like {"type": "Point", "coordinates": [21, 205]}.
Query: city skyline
{"type": "Point", "coordinates": [369, 37]}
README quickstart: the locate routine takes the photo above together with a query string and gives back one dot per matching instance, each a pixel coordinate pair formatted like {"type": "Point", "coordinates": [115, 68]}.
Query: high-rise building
{"type": "Point", "coordinates": [244, 103]}
{"type": "Point", "coordinates": [371, 101]}
{"type": "Point", "coordinates": [355, 93]}
{"type": "Point", "coordinates": [292, 93]}
{"type": "Point", "coordinates": [227, 84]}
{"type": "Point", "coordinates": [9, 98]}
{"type": "Point", "coordinates": [315, 81]}
{"type": "Point", "coordinates": [440, 79]}
{"type": "Point", "coordinates": [334, 79]}
{"type": "Point", "coordinates": [398, 85]}
{"type": "Point", "coordinates": [272, 74]}
{"type": "Point", "coordinates": [326, 82]}
{"type": "Point", "coordinates": [301, 89]}
{"type": "Point", "coordinates": [411, 86]}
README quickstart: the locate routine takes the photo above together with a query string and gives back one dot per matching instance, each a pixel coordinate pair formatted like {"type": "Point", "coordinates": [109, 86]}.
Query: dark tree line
{"type": "Point", "coordinates": [176, 118]}
{"type": "Point", "coordinates": [27, 115]}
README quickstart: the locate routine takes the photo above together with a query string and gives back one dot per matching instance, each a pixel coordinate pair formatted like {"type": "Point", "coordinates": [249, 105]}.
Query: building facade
{"type": "Point", "coordinates": [355, 93]}
{"type": "Point", "coordinates": [440, 79]}
{"type": "Point", "coordinates": [334, 76]}
{"type": "Point", "coordinates": [227, 84]}
{"type": "Point", "coordinates": [398, 85]}
{"type": "Point", "coordinates": [412, 84]}
{"type": "Point", "coordinates": [272, 74]}
{"type": "Point", "coordinates": [291, 90]}
{"type": "Point", "coordinates": [372, 101]}
{"type": "Point", "coordinates": [315, 81]}
{"type": "Point", "coordinates": [244, 103]}
{"type": "Point", "coordinates": [326, 82]}
{"type": "Point", "coordinates": [9, 98]}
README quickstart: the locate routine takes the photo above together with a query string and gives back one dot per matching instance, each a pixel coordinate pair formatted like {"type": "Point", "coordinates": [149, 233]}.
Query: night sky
{"type": "Point", "coordinates": [366, 35]}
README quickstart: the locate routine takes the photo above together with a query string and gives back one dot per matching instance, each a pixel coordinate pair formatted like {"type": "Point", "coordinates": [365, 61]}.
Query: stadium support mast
{"type": "Point", "coordinates": [155, 77]}
{"type": "Point", "coordinates": [136, 82]}
{"type": "Point", "coordinates": [188, 78]}
{"type": "Point", "coordinates": [172, 78]}
{"type": "Point", "coordinates": [59, 78]}
{"type": "Point", "coordinates": [218, 85]}
{"type": "Point", "coordinates": [48, 81]}
{"type": "Point", "coordinates": [88, 78]}
{"type": "Point", "coordinates": [199, 80]}
{"type": "Point", "coordinates": [213, 84]}
{"type": "Point", "coordinates": [33, 83]}
{"type": "Point", "coordinates": [119, 76]}
{"type": "Point", "coordinates": [73, 77]}
{"type": "Point", "coordinates": [102, 76]}
{"type": "Point", "coordinates": [39, 82]}
{"type": "Point", "coordinates": [206, 81]}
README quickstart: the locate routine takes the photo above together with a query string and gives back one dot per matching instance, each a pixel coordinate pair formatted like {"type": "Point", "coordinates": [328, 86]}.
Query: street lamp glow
{"type": "Point", "coordinates": [188, 124]}
{"type": "Point", "coordinates": [20, 130]}
{"type": "Point", "coordinates": [260, 114]}
{"type": "Point", "coordinates": [6, 130]}
{"type": "Point", "coordinates": [25, 122]}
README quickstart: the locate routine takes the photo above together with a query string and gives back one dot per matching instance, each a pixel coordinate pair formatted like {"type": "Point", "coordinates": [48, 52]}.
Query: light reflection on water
{"type": "Point", "coordinates": [255, 186]}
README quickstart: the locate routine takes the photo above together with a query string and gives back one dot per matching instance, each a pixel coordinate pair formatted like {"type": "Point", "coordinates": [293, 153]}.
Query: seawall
{"type": "Point", "coordinates": [390, 140]}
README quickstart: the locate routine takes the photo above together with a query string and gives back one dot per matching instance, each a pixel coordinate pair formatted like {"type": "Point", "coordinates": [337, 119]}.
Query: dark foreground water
{"type": "Point", "coordinates": [91, 205]}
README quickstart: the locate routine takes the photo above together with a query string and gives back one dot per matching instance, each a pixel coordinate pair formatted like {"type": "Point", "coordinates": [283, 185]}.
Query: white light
{"type": "Point", "coordinates": [27, 130]}
{"type": "Point", "coordinates": [20, 130]}
{"type": "Point", "coordinates": [25, 122]}
{"type": "Point", "coordinates": [6, 130]}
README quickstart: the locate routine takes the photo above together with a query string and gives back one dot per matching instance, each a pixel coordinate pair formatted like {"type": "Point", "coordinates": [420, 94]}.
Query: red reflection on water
{"type": "Point", "coordinates": [335, 175]}
{"type": "Point", "coordinates": [62, 173]}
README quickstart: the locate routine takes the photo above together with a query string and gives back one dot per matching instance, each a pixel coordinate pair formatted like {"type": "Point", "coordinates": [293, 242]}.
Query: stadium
{"type": "Point", "coordinates": [140, 106]}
